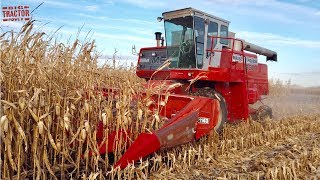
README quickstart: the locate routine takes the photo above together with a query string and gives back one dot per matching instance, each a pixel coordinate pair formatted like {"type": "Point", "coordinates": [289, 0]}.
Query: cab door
{"type": "Point", "coordinates": [214, 28]}
{"type": "Point", "coordinates": [199, 39]}
{"type": "Point", "coordinates": [211, 59]}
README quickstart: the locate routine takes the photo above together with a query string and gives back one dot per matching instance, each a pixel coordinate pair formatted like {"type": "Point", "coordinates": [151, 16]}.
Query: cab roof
{"type": "Point", "coordinates": [189, 11]}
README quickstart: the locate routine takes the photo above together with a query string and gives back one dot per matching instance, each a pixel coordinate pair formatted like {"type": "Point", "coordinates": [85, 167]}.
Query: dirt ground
{"type": "Point", "coordinates": [289, 157]}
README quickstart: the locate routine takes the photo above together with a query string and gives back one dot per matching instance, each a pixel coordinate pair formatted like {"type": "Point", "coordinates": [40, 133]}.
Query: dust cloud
{"type": "Point", "coordinates": [292, 104]}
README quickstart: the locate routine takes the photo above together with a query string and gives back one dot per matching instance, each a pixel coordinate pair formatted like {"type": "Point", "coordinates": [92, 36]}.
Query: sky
{"type": "Point", "coordinates": [289, 27]}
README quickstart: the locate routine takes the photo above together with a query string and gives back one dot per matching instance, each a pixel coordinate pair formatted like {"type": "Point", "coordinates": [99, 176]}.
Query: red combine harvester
{"type": "Point", "coordinates": [225, 77]}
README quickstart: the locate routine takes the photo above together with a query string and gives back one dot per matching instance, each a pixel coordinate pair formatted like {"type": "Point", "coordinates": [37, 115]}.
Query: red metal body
{"type": "Point", "coordinates": [238, 82]}
{"type": "Point", "coordinates": [191, 117]}
{"type": "Point", "coordinates": [182, 127]}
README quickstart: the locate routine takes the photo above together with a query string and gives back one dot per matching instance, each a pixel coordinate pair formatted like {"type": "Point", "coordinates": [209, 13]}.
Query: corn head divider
{"type": "Point", "coordinates": [188, 118]}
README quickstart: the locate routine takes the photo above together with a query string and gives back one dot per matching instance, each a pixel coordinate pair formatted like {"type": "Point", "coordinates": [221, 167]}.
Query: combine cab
{"type": "Point", "coordinates": [225, 74]}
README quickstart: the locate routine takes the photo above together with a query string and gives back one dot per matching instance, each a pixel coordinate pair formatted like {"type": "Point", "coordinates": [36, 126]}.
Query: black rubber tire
{"type": "Point", "coordinates": [224, 113]}
{"type": "Point", "coordinates": [211, 93]}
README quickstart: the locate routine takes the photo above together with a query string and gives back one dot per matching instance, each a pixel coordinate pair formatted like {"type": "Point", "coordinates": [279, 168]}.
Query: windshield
{"type": "Point", "coordinates": [180, 43]}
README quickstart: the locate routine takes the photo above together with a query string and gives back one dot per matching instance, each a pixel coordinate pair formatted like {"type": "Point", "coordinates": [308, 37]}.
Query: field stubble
{"type": "Point", "coordinates": [50, 109]}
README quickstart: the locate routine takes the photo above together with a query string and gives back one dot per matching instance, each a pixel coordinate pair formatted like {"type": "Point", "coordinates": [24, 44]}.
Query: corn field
{"type": "Point", "coordinates": [52, 104]}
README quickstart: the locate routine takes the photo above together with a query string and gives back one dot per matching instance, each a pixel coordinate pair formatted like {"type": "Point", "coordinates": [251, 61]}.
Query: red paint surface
{"type": "Point", "coordinates": [144, 145]}
{"type": "Point", "coordinates": [238, 84]}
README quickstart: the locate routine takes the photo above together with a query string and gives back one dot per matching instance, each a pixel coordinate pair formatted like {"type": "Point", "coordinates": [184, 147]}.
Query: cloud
{"type": "Point", "coordinates": [277, 40]}
{"type": "Point", "coordinates": [124, 37]}
{"type": "Point", "coordinates": [312, 73]}
{"type": "Point", "coordinates": [118, 21]}
{"type": "Point", "coordinates": [307, 79]}
{"type": "Point", "coordinates": [317, 13]}
{"type": "Point", "coordinates": [92, 8]}
{"type": "Point", "coordinates": [53, 3]}
{"type": "Point", "coordinates": [65, 5]}
{"type": "Point", "coordinates": [272, 10]}
{"type": "Point", "coordinates": [12, 25]}
{"type": "Point", "coordinates": [125, 20]}
{"type": "Point", "coordinates": [304, 1]}
{"type": "Point", "coordinates": [146, 3]}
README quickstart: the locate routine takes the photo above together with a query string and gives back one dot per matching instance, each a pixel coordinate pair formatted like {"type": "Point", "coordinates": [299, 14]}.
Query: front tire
{"type": "Point", "coordinates": [222, 119]}
{"type": "Point", "coordinates": [211, 93]}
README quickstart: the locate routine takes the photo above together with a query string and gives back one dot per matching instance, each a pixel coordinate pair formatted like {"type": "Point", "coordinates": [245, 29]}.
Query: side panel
{"type": "Point", "coordinates": [258, 83]}
{"type": "Point", "coordinates": [236, 96]}
{"type": "Point", "coordinates": [256, 74]}
{"type": "Point", "coordinates": [150, 59]}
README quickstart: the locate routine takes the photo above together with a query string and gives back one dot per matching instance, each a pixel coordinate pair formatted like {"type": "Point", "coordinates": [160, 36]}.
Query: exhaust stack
{"type": "Point", "coordinates": [158, 38]}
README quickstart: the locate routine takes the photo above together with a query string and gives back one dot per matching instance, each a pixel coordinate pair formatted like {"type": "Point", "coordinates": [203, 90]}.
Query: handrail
{"type": "Point", "coordinates": [211, 49]}
{"type": "Point", "coordinates": [241, 53]}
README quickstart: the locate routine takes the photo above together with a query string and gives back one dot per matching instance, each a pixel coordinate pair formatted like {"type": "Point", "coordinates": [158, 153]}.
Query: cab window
{"type": "Point", "coordinates": [224, 33]}
{"type": "Point", "coordinates": [212, 31]}
{"type": "Point", "coordinates": [199, 39]}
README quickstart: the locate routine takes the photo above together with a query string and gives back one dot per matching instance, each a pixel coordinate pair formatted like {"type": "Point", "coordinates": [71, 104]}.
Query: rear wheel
{"type": "Point", "coordinates": [211, 93]}
{"type": "Point", "coordinates": [264, 112]}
